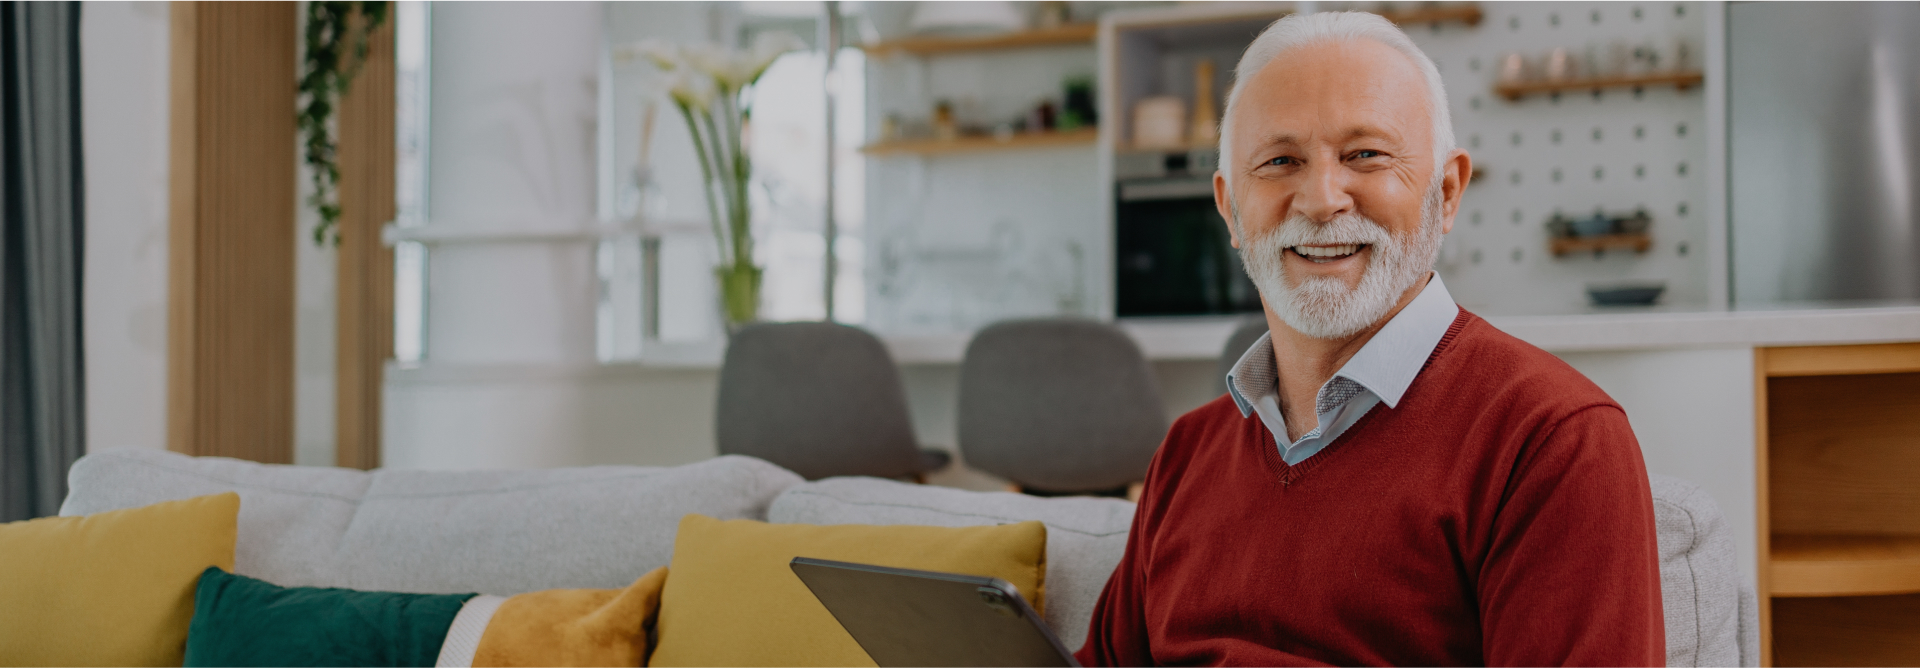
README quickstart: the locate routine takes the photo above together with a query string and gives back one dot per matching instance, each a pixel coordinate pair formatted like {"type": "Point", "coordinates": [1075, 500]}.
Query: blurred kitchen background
{"type": "Point", "coordinates": [1708, 208]}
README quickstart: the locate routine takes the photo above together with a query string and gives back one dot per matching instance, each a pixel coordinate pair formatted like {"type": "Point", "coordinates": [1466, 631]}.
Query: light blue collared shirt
{"type": "Point", "coordinates": [1379, 373]}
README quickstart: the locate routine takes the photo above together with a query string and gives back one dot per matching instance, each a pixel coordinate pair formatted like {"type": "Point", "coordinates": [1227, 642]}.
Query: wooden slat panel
{"type": "Point", "coordinates": [231, 231]}
{"type": "Point", "coordinates": [1848, 631]}
{"type": "Point", "coordinates": [364, 328]}
{"type": "Point", "coordinates": [1837, 360]}
{"type": "Point", "coordinates": [1843, 452]}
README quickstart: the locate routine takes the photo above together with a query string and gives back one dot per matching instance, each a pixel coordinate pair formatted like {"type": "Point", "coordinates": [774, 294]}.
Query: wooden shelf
{"type": "Point", "coordinates": [972, 144]}
{"type": "Point", "coordinates": [1638, 243]}
{"type": "Point", "coordinates": [1816, 565]}
{"type": "Point", "coordinates": [1843, 360]}
{"type": "Point", "coordinates": [1468, 14]}
{"type": "Point", "coordinates": [1681, 80]}
{"type": "Point", "coordinates": [1078, 33]}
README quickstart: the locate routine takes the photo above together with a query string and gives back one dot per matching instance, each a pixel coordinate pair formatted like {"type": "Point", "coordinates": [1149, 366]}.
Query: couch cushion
{"type": "Point", "coordinates": [1085, 536]}
{"type": "Point", "coordinates": [243, 621]}
{"type": "Point", "coordinates": [493, 532]}
{"type": "Point", "coordinates": [113, 588]}
{"type": "Point", "coordinates": [1700, 580]}
{"type": "Point", "coordinates": [733, 598]}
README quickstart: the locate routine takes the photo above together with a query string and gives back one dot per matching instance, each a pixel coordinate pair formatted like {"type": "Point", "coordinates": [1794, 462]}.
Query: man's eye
{"type": "Point", "coordinates": [1368, 154]}
{"type": "Point", "coordinates": [1281, 161]}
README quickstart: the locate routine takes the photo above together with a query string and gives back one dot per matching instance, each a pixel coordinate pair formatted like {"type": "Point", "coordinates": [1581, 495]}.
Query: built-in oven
{"type": "Point", "coordinates": [1172, 252]}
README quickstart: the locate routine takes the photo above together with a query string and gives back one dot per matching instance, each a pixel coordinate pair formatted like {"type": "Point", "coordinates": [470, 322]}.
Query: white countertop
{"type": "Point", "coordinates": [1196, 339]}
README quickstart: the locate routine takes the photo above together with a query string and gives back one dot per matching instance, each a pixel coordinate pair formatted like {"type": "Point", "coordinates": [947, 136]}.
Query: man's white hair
{"type": "Point", "coordinates": [1303, 29]}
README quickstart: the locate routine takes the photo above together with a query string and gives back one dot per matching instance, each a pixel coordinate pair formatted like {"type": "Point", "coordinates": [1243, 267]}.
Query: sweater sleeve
{"type": "Point", "coordinates": [1117, 634]}
{"type": "Point", "coordinates": [1572, 576]}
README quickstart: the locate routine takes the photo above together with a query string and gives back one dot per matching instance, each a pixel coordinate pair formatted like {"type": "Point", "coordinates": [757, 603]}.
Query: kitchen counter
{"type": "Point", "coordinates": [1195, 339]}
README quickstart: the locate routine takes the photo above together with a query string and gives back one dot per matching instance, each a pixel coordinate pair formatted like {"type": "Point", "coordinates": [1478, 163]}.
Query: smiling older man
{"type": "Point", "coordinates": [1390, 479]}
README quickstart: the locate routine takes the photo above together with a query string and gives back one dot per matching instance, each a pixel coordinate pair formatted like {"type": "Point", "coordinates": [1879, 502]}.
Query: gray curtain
{"type": "Point", "coordinates": [42, 430]}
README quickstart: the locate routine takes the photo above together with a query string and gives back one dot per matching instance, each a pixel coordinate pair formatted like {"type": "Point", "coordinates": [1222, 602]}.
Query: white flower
{"type": "Point", "coordinates": [715, 62]}
{"type": "Point", "coordinates": [768, 47]}
{"type": "Point", "coordinates": [663, 55]}
{"type": "Point", "coordinates": [691, 89]}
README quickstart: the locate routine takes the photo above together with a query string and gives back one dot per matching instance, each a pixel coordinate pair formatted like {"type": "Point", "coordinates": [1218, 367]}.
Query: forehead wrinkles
{"type": "Point", "coordinates": [1359, 83]}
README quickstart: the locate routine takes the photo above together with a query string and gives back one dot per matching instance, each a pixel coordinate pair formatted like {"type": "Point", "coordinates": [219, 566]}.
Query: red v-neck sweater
{"type": "Point", "coordinates": [1499, 515]}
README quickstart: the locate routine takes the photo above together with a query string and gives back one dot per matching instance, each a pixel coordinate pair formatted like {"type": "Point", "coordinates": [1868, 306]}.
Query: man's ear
{"type": "Point", "coordinates": [1224, 203]}
{"type": "Point", "coordinates": [1458, 169]}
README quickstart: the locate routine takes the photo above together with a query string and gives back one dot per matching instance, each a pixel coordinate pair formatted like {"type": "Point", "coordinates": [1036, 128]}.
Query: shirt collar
{"type": "Point", "coordinates": [1386, 365]}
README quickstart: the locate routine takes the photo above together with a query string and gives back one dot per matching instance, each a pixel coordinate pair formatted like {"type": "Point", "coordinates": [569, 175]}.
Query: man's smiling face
{"type": "Point", "coordinates": [1329, 129]}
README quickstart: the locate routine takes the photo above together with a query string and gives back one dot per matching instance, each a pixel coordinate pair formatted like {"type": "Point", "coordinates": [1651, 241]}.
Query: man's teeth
{"type": "Point", "coordinates": [1326, 251]}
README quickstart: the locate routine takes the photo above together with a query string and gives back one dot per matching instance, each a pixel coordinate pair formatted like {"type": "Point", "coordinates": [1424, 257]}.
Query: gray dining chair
{"type": "Point", "coordinates": [1059, 406]}
{"type": "Point", "coordinates": [1237, 345]}
{"type": "Point", "coordinates": [820, 399]}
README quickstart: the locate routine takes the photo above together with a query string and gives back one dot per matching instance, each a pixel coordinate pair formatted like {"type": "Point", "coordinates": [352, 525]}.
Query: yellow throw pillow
{"type": "Point", "coordinates": [113, 588]}
{"type": "Point", "coordinates": [574, 627]}
{"type": "Point", "coordinates": [733, 601]}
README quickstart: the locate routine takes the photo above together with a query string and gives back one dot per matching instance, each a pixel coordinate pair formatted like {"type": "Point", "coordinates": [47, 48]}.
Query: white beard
{"type": "Point", "coordinates": [1324, 307]}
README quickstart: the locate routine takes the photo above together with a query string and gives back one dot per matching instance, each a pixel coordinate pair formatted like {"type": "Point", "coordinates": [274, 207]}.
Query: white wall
{"type": "Point", "coordinates": [123, 60]}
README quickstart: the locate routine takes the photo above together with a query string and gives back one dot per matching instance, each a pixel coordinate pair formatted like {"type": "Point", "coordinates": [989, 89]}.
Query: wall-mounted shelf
{"type": "Point", "coordinates": [1638, 243]}
{"type": "Point", "coordinates": [971, 144]}
{"type": "Point", "coordinates": [1816, 565]}
{"type": "Point", "coordinates": [1468, 14]}
{"type": "Point", "coordinates": [1681, 80]}
{"type": "Point", "coordinates": [1078, 33]}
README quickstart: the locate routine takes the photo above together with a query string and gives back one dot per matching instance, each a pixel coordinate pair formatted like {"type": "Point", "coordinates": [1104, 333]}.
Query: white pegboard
{"type": "Point", "coordinates": [1615, 151]}
{"type": "Point", "coordinates": [942, 229]}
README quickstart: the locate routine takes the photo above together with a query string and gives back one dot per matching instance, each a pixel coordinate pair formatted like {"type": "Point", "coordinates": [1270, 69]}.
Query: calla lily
{"type": "Point", "coordinates": [663, 55]}
{"type": "Point", "coordinates": [714, 62]}
{"type": "Point", "coordinates": [768, 47]}
{"type": "Point", "coordinates": [691, 89]}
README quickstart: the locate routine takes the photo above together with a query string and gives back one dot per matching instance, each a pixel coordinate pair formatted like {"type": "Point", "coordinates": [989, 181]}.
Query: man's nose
{"type": "Point", "coordinates": [1324, 193]}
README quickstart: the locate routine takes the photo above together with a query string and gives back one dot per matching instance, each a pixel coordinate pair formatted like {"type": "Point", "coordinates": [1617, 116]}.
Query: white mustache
{"type": "Point", "coordinates": [1345, 229]}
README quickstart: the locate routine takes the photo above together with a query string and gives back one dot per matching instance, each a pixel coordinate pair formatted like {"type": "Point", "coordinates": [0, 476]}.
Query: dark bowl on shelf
{"type": "Point", "coordinates": [1595, 226]}
{"type": "Point", "coordinates": [1637, 224]}
{"type": "Point", "coordinates": [1626, 294]}
{"type": "Point", "coordinates": [1559, 228]}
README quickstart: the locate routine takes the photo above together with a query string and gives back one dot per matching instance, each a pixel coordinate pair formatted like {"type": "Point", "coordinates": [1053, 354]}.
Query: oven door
{"type": "Point", "coordinates": [1172, 252]}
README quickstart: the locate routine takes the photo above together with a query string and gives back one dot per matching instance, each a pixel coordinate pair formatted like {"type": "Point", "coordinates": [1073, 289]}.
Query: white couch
{"type": "Point", "coordinates": [506, 532]}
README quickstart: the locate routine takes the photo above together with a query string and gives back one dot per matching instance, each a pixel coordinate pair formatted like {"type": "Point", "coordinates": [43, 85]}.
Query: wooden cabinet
{"type": "Point", "coordinates": [1839, 518]}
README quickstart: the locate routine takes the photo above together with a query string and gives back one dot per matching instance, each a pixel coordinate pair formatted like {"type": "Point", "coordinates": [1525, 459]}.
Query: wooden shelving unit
{"type": "Point", "coordinates": [1681, 80]}
{"type": "Point", "coordinates": [970, 144]}
{"type": "Point", "coordinates": [1078, 33]}
{"type": "Point", "coordinates": [1839, 518]}
{"type": "Point", "coordinates": [1469, 14]}
{"type": "Point", "coordinates": [1638, 243]}
{"type": "Point", "coordinates": [1816, 565]}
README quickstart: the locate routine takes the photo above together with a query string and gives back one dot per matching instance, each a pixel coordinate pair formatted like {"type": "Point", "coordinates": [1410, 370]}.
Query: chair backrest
{"type": "Point", "coordinates": [1061, 405]}
{"type": "Point", "coordinates": [1237, 345]}
{"type": "Point", "coordinates": [818, 398]}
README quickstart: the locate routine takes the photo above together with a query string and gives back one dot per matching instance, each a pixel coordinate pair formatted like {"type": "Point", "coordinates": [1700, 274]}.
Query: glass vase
{"type": "Point", "coordinates": [739, 294]}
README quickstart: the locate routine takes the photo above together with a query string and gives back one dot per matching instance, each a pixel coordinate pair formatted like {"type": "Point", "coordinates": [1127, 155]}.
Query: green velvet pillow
{"type": "Point", "coordinates": [240, 621]}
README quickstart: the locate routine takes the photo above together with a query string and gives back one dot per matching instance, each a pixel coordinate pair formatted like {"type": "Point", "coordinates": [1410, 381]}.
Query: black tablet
{"type": "Point", "coordinates": [905, 617]}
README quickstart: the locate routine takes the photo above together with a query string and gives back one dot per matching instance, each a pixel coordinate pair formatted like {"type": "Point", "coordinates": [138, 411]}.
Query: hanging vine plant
{"type": "Point", "coordinates": [337, 43]}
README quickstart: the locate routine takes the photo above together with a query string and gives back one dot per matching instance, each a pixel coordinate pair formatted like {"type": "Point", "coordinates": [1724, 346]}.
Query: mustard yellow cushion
{"type": "Point", "coordinates": [733, 601]}
{"type": "Point", "coordinates": [573, 627]}
{"type": "Point", "coordinates": [110, 589]}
